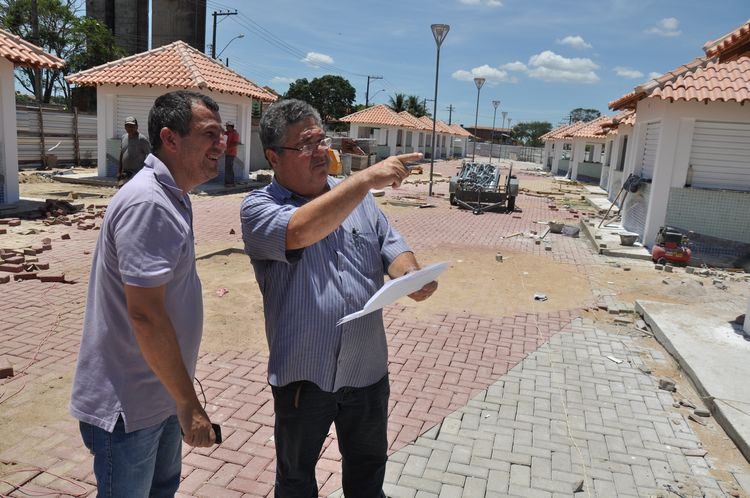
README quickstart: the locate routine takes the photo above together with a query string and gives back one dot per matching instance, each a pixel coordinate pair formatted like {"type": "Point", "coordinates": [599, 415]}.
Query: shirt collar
{"type": "Point", "coordinates": [164, 176]}
{"type": "Point", "coordinates": [282, 193]}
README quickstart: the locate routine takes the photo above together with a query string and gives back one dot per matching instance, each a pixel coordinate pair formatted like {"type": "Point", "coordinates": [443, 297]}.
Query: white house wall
{"type": "Point", "coordinates": [675, 143]}
{"type": "Point", "coordinates": [119, 102]}
{"type": "Point", "coordinates": [8, 141]}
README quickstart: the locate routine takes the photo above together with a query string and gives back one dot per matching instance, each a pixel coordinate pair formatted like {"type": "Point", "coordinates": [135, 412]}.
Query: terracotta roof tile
{"type": "Point", "coordinates": [702, 80]}
{"type": "Point", "coordinates": [440, 127]}
{"type": "Point", "coordinates": [564, 131]}
{"type": "Point", "coordinates": [729, 41]}
{"type": "Point", "coordinates": [414, 121]}
{"type": "Point", "coordinates": [460, 131]}
{"type": "Point", "coordinates": [380, 115]}
{"type": "Point", "coordinates": [23, 53]}
{"type": "Point", "coordinates": [592, 129]}
{"type": "Point", "coordinates": [175, 65]}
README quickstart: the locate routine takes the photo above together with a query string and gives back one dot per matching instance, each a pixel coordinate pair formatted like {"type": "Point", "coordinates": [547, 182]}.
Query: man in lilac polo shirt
{"type": "Point", "coordinates": [320, 249]}
{"type": "Point", "coordinates": [133, 389]}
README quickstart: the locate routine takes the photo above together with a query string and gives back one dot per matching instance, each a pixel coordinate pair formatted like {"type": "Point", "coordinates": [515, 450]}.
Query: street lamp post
{"type": "Point", "coordinates": [504, 113]}
{"type": "Point", "coordinates": [439, 31]}
{"type": "Point", "coordinates": [510, 130]}
{"type": "Point", "coordinates": [478, 82]}
{"type": "Point", "coordinates": [230, 41]}
{"type": "Point", "coordinates": [495, 103]}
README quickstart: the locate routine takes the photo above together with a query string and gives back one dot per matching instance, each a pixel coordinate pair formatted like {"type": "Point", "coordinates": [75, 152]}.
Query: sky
{"type": "Point", "coordinates": [540, 58]}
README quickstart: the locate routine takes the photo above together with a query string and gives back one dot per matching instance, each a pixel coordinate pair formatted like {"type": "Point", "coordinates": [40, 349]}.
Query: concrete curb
{"type": "Point", "coordinates": [720, 409]}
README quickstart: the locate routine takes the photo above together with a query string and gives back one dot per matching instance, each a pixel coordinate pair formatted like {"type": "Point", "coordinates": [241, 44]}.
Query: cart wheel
{"type": "Point", "coordinates": [661, 261]}
{"type": "Point", "coordinates": [452, 199]}
{"type": "Point", "coordinates": [511, 204]}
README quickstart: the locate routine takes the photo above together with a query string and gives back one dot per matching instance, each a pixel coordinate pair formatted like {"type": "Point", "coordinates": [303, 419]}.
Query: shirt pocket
{"type": "Point", "coordinates": [363, 250]}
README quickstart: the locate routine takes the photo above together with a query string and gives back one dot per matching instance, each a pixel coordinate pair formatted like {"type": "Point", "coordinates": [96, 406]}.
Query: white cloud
{"type": "Point", "coordinates": [575, 42]}
{"type": "Point", "coordinates": [491, 74]}
{"type": "Point", "coordinates": [282, 80]}
{"type": "Point", "coordinates": [627, 72]}
{"type": "Point", "coordinates": [315, 59]}
{"type": "Point", "coordinates": [669, 27]}
{"type": "Point", "coordinates": [514, 66]}
{"type": "Point", "coordinates": [652, 75]}
{"type": "Point", "coordinates": [549, 66]}
{"type": "Point", "coordinates": [488, 3]}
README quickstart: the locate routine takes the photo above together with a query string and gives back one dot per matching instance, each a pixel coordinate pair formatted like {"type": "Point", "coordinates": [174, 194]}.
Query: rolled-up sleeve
{"type": "Point", "coordinates": [264, 227]}
{"type": "Point", "coordinates": [391, 242]}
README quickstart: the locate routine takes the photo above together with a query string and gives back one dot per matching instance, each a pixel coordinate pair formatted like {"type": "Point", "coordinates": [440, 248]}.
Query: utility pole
{"type": "Point", "coordinates": [35, 34]}
{"type": "Point", "coordinates": [367, 92]}
{"type": "Point", "coordinates": [450, 113]}
{"type": "Point", "coordinates": [424, 105]}
{"type": "Point", "coordinates": [213, 42]}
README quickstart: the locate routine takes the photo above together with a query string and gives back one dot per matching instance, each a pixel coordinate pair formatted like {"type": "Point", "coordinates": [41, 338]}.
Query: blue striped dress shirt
{"type": "Point", "coordinates": [306, 291]}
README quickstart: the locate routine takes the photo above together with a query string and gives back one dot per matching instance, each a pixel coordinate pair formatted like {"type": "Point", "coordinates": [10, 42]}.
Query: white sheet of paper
{"type": "Point", "coordinates": [398, 288]}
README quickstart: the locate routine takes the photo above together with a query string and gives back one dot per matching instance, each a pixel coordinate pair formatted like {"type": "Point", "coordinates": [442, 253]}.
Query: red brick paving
{"type": "Point", "coordinates": [436, 365]}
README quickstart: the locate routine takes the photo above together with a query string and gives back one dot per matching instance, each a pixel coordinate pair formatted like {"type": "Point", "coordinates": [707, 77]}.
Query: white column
{"type": "Point", "coordinates": [353, 130]}
{"type": "Point", "coordinates": [662, 179]}
{"type": "Point", "coordinates": [392, 141]}
{"type": "Point", "coordinates": [613, 162]}
{"type": "Point", "coordinates": [414, 141]}
{"type": "Point", "coordinates": [558, 155]}
{"type": "Point", "coordinates": [746, 325]}
{"type": "Point", "coordinates": [547, 152]}
{"type": "Point", "coordinates": [103, 112]}
{"type": "Point", "coordinates": [598, 153]}
{"type": "Point", "coordinates": [578, 151]}
{"type": "Point", "coordinates": [246, 122]}
{"type": "Point", "coordinates": [9, 145]}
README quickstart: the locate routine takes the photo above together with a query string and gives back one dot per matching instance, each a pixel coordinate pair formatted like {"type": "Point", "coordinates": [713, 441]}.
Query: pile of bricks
{"type": "Point", "coordinates": [23, 264]}
{"type": "Point", "coordinates": [10, 222]}
{"type": "Point", "coordinates": [84, 220]}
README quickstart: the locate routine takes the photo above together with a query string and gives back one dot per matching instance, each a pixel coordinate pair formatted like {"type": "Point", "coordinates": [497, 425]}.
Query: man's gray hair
{"type": "Point", "coordinates": [279, 116]}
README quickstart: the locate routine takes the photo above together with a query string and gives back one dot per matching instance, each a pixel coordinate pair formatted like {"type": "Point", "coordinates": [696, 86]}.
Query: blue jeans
{"type": "Point", "coordinates": [136, 464]}
{"type": "Point", "coordinates": [304, 415]}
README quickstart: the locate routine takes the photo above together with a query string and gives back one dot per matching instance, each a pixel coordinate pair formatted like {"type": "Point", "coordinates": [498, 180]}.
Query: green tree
{"type": "Point", "coordinates": [397, 102]}
{"type": "Point", "coordinates": [581, 114]}
{"type": "Point", "coordinates": [416, 106]}
{"type": "Point", "coordinates": [529, 133]}
{"type": "Point", "coordinates": [81, 42]}
{"type": "Point", "coordinates": [333, 96]}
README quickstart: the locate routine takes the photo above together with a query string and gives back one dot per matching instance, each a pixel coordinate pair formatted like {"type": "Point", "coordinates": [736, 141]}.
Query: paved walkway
{"type": "Point", "coordinates": [474, 398]}
{"type": "Point", "coordinates": [566, 418]}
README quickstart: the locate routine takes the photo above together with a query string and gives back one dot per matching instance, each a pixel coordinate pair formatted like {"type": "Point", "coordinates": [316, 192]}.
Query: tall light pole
{"type": "Point", "coordinates": [495, 103]}
{"type": "Point", "coordinates": [504, 113]}
{"type": "Point", "coordinates": [439, 31]}
{"type": "Point", "coordinates": [510, 130]}
{"type": "Point", "coordinates": [230, 41]}
{"type": "Point", "coordinates": [478, 82]}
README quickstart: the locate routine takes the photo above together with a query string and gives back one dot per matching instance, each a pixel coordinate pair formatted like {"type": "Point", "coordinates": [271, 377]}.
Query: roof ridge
{"type": "Point", "coordinates": [187, 58]}
{"type": "Point", "coordinates": [728, 40]}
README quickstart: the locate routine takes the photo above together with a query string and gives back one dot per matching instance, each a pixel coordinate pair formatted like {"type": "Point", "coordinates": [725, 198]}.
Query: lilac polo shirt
{"type": "Point", "coordinates": [146, 240]}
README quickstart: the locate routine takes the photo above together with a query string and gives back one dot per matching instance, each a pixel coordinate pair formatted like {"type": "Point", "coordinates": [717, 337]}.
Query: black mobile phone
{"type": "Point", "coordinates": [217, 432]}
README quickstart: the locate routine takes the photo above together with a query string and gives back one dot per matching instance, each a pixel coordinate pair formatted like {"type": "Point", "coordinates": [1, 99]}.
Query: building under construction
{"type": "Point", "coordinates": [172, 20]}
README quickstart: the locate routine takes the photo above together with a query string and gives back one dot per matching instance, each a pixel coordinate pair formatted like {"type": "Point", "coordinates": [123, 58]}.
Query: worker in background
{"type": "Point", "coordinates": [134, 147]}
{"type": "Point", "coordinates": [233, 138]}
{"type": "Point", "coordinates": [320, 248]}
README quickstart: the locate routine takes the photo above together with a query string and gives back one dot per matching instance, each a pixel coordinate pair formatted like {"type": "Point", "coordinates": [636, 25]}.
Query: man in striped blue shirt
{"type": "Point", "coordinates": [320, 249]}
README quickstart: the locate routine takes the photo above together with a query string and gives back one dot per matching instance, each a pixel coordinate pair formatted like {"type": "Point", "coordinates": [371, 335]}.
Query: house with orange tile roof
{"type": "Point", "coordinates": [129, 86]}
{"type": "Point", "coordinates": [398, 133]}
{"type": "Point", "coordinates": [618, 131]}
{"type": "Point", "coordinates": [386, 127]}
{"type": "Point", "coordinates": [691, 145]}
{"type": "Point", "coordinates": [559, 147]}
{"type": "Point", "coordinates": [588, 143]}
{"type": "Point", "coordinates": [14, 51]}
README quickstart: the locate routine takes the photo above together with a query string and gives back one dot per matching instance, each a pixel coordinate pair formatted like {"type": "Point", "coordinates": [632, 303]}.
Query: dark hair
{"type": "Point", "coordinates": [279, 116]}
{"type": "Point", "coordinates": [174, 110]}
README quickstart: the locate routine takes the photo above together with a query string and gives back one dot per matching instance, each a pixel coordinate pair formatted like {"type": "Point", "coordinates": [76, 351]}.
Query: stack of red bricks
{"type": "Point", "coordinates": [23, 264]}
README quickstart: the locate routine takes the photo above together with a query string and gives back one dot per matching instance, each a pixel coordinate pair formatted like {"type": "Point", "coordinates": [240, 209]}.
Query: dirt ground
{"type": "Point", "coordinates": [475, 282]}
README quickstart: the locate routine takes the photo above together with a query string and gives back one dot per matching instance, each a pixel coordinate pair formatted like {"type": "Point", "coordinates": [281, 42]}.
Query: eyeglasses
{"type": "Point", "coordinates": [309, 149]}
